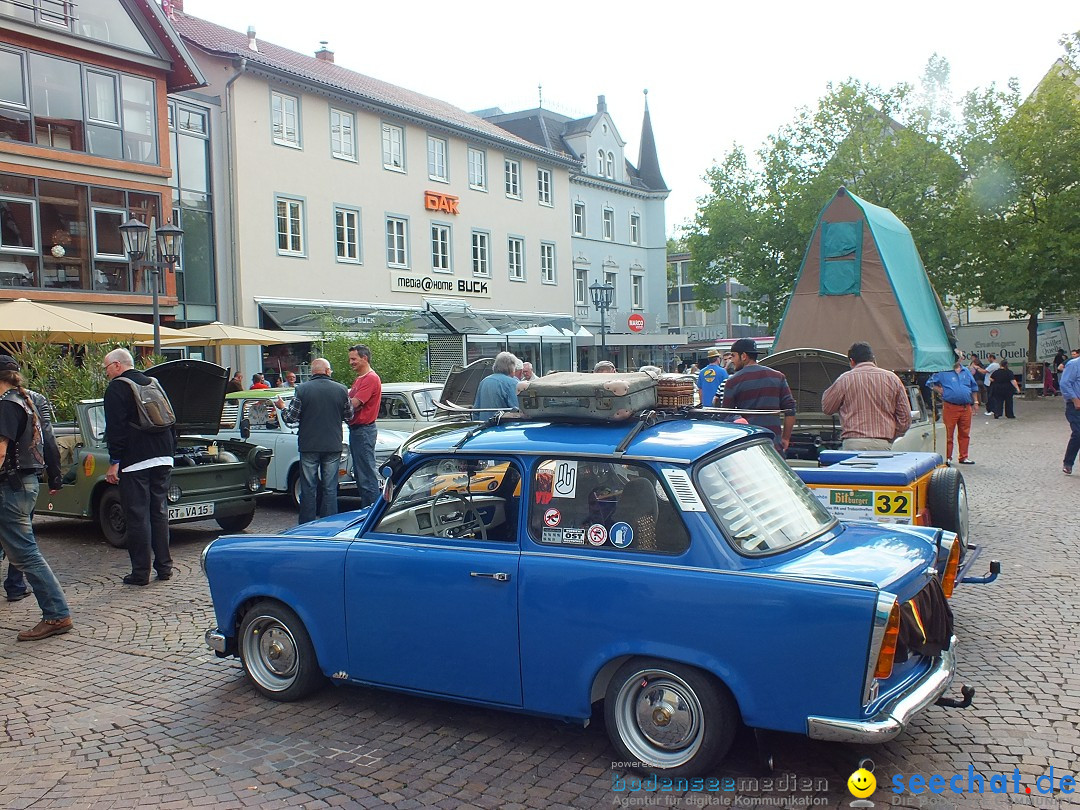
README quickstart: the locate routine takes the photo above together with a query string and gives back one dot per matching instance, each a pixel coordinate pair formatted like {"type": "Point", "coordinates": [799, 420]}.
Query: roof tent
{"type": "Point", "coordinates": [862, 280]}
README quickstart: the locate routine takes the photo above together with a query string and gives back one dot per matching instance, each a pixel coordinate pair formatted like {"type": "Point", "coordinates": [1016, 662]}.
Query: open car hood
{"type": "Point", "coordinates": [461, 384]}
{"type": "Point", "coordinates": [809, 372]}
{"type": "Point", "coordinates": [196, 390]}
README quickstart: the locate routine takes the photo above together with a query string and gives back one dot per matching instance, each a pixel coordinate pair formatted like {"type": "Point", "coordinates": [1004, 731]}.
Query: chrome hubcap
{"type": "Point", "coordinates": [666, 715]}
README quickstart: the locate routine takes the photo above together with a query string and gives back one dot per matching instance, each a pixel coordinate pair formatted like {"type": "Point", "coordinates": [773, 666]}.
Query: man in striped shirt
{"type": "Point", "coordinates": [757, 388]}
{"type": "Point", "coordinates": [872, 402]}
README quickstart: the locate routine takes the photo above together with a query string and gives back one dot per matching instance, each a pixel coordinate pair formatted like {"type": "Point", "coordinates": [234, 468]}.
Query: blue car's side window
{"type": "Point", "coordinates": [607, 505]}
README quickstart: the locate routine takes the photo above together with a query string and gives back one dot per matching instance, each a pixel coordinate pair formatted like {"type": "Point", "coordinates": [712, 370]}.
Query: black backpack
{"type": "Point", "coordinates": [153, 411]}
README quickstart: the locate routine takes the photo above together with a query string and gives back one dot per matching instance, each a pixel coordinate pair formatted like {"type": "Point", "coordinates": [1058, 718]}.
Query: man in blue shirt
{"type": "Point", "coordinates": [710, 378]}
{"type": "Point", "coordinates": [960, 394]}
{"type": "Point", "coordinates": [499, 388]}
{"type": "Point", "coordinates": [1070, 392]}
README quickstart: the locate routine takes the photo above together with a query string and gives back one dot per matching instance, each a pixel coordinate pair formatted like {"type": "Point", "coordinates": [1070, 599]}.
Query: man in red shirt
{"type": "Point", "coordinates": [364, 396]}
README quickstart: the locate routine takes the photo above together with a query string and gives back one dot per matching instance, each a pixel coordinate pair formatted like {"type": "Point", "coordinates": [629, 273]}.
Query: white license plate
{"type": "Point", "coordinates": [191, 510]}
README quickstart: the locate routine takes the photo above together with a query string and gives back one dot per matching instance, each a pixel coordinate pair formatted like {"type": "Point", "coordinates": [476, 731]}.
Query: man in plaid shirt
{"type": "Point", "coordinates": [872, 402]}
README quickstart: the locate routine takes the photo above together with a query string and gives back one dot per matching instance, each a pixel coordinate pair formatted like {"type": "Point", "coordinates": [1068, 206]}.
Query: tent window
{"type": "Point", "coordinates": [841, 258]}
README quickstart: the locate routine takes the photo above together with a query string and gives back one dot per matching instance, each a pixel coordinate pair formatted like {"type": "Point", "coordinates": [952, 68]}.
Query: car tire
{"type": "Point", "coordinates": [672, 720]}
{"type": "Point", "coordinates": [277, 653]}
{"type": "Point", "coordinates": [946, 498]}
{"type": "Point", "coordinates": [236, 523]}
{"type": "Point", "coordinates": [110, 517]}
{"type": "Point", "coordinates": [293, 483]}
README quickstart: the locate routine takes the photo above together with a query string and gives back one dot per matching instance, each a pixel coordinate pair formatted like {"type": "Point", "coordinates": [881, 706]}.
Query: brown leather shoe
{"type": "Point", "coordinates": [46, 628]}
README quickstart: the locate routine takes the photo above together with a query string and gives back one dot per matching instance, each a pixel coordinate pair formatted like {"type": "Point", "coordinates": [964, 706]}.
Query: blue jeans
{"type": "Point", "coordinates": [318, 485]}
{"type": "Point", "coordinates": [18, 495]}
{"type": "Point", "coordinates": [362, 447]}
{"type": "Point", "coordinates": [1072, 413]}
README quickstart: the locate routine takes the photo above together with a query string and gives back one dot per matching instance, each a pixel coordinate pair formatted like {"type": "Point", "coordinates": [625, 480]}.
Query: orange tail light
{"type": "Point", "coordinates": [885, 658]}
{"type": "Point", "coordinates": [948, 579]}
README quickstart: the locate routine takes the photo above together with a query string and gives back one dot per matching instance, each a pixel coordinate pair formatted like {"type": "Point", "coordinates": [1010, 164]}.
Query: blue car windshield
{"type": "Point", "coordinates": [761, 505]}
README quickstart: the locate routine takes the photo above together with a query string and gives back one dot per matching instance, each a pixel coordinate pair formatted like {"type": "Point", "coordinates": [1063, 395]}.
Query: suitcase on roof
{"type": "Point", "coordinates": [581, 397]}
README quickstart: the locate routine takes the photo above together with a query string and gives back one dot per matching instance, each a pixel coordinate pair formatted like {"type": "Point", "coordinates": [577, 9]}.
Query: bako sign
{"type": "Point", "coordinates": [438, 285]}
{"type": "Point", "coordinates": [636, 322]}
{"type": "Point", "coordinates": [436, 201]}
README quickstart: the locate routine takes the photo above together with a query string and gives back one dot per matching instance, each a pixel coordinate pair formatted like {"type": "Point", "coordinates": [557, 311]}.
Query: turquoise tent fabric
{"type": "Point", "coordinates": [841, 258]}
{"type": "Point", "coordinates": [919, 303]}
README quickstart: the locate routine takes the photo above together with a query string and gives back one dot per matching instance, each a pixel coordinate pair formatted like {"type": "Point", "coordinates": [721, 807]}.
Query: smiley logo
{"type": "Point", "coordinates": [862, 783]}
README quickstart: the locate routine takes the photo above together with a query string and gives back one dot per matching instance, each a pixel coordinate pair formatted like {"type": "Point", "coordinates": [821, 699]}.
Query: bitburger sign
{"type": "Point", "coordinates": [438, 285]}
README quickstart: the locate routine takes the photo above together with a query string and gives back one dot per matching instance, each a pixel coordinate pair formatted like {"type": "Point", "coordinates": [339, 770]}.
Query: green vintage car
{"type": "Point", "coordinates": [211, 480]}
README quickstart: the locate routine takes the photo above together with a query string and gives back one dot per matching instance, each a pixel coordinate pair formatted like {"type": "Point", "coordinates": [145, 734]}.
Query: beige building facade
{"type": "Point", "coordinates": [383, 207]}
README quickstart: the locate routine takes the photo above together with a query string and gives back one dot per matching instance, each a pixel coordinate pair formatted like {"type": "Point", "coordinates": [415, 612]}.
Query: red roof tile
{"type": "Point", "coordinates": [217, 39]}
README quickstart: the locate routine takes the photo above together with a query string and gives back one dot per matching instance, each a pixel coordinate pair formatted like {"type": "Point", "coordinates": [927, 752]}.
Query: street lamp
{"type": "Point", "coordinates": [169, 240]}
{"type": "Point", "coordinates": [601, 299]}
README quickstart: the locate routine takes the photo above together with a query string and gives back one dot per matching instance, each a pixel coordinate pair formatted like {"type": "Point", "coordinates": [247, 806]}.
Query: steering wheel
{"type": "Point", "coordinates": [470, 520]}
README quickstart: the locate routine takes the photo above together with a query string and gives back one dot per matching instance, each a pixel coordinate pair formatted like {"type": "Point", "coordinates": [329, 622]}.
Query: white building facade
{"type": "Point", "coordinates": [383, 208]}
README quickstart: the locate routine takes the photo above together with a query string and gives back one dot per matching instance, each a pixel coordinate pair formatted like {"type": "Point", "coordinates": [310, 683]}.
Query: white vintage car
{"type": "Point", "coordinates": [252, 414]}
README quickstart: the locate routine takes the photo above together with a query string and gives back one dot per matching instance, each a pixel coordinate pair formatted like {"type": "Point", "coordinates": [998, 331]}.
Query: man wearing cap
{"type": "Point", "coordinates": [872, 402]}
{"type": "Point", "coordinates": [604, 367]}
{"type": "Point", "coordinates": [22, 459]}
{"type": "Point", "coordinates": [711, 377]}
{"type": "Point", "coordinates": [757, 388]}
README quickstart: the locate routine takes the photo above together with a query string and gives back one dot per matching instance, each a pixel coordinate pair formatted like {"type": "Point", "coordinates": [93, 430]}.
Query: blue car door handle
{"type": "Point", "coordinates": [499, 577]}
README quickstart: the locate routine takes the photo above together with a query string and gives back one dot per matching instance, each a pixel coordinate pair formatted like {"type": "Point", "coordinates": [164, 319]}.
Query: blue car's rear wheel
{"type": "Point", "coordinates": [670, 719]}
{"type": "Point", "coordinates": [277, 652]}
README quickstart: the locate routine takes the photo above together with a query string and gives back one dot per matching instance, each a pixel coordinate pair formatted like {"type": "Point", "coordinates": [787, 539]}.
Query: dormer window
{"type": "Point", "coordinates": [600, 162]}
{"type": "Point", "coordinates": [611, 165]}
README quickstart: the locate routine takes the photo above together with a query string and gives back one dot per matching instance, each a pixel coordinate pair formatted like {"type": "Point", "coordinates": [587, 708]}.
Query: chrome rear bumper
{"type": "Point", "coordinates": [215, 641]}
{"type": "Point", "coordinates": [895, 715]}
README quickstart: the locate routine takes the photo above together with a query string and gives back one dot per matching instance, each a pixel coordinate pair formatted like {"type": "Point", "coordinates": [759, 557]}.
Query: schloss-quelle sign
{"type": "Point", "coordinates": [439, 285]}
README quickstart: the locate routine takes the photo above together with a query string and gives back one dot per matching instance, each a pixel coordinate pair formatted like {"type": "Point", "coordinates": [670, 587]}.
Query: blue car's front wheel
{"type": "Point", "coordinates": [277, 652]}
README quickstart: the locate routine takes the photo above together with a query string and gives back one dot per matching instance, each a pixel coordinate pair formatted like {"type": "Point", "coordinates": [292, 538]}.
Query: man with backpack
{"type": "Point", "coordinates": [138, 431]}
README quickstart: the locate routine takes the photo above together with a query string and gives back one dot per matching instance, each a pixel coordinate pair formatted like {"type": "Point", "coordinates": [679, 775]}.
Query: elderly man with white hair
{"type": "Point", "coordinates": [320, 406]}
{"type": "Point", "coordinates": [498, 389]}
{"type": "Point", "coordinates": [140, 461]}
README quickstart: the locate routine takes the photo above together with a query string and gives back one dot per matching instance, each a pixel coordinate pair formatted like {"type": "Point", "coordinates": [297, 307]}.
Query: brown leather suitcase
{"type": "Point", "coordinates": [580, 397]}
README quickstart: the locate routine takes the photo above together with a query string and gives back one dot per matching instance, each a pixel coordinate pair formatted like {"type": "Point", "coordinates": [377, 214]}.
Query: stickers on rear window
{"type": "Point", "coordinates": [563, 537]}
{"type": "Point", "coordinates": [565, 483]}
{"type": "Point", "coordinates": [597, 534]}
{"type": "Point", "coordinates": [552, 517]}
{"type": "Point", "coordinates": [622, 535]}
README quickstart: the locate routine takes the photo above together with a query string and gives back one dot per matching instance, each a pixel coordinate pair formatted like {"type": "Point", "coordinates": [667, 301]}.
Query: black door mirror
{"type": "Point", "coordinates": [245, 428]}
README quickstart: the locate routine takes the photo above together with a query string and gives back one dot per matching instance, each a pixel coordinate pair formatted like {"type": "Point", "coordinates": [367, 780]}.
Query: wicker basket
{"type": "Point", "coordinates": [675, 391]}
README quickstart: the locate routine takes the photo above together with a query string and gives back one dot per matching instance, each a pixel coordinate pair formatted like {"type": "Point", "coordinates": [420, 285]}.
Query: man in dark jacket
{"type": "Point", "coordinates": [141, 462]}
{"type": "Point", "coordinates": [22, 459]}
{"type": "Point", "coordinates": [320, 406]}
{"type": "Point", "coordinates": [15, 584]}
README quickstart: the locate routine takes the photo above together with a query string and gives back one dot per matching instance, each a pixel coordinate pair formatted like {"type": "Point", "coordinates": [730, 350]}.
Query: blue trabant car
{"type": "Point", "coordinates": [678, 572]}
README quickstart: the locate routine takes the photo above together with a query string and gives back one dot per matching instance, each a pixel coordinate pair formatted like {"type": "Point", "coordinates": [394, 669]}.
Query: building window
{"type": "Point", "coordinates": [600, 162]}
{"type": "Point", "coordinates": [347, 234]}
{"type": "Point", "coordinates": [397, 230]}
{"type": "Point", "coordinates": [481, 257]}
{"type": "Point", "coordinates": [611, 279]}
{"type": "Point", "coordinates": [477, 169]}
{"type": "Point", "coordinates": [512, 178]}
{"type": "Point", "coordinates": [635, 229]}
{"type": "Point", "coordinates": [611, 165]}
{"type": "Point", "coordinates": [547, 263]}
{"type": "Point", "coordinates": [342, 135]}
{"type": "Point", "coordinates": [609, 224]}
{"type": "Point", "coordinates": [579, 219]}
{"type": "Point", "coordinates": [581, 287]}
{"type": "Point", "coordinates": [290, 227]}
{"type": "Point", "coordinates": [543, 186]}
{"type": "Point", "coordinates": [637, 292]}
{"type": "Point", "coordinates": [440, 248]}
{"type": "Point", "coordinates": [515, 258]}
{"type": "Point", "coordinates": [286, 115]}
{"type": "Point", "coordinates": [393, 147]}
{"type": "Point", "coordinates": [436, 159]}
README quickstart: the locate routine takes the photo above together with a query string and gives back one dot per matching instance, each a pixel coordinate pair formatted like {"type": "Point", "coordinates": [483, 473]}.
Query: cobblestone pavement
{"type": "Point", "coordinates": [131, 710]}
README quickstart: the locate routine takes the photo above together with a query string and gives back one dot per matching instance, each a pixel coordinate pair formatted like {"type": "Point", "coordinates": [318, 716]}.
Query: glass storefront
{"type": "Point", "coordinates": [59, 236]}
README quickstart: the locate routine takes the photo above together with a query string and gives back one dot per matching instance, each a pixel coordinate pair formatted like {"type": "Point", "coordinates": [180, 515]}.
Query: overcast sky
{"type": "Point", "coordinates": [718, 73]}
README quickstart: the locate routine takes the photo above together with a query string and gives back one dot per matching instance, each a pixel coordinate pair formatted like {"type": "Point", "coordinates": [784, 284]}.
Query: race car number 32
{"type": "Point", "coordinates": [892, 503]}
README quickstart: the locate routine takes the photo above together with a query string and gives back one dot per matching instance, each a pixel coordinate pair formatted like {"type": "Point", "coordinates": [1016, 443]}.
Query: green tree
{"type": "Point", "coordinates": [1024, 202]}
{"type": "Point", "coordinates": [394, 356]}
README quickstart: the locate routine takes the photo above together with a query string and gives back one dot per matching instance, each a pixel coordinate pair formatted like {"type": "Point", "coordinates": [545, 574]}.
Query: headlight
{"type": "Point", "coordinates": [175, 493]}
{"type": "Point", "coordinates": [254, 483]}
